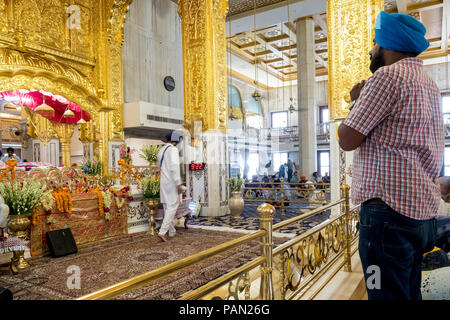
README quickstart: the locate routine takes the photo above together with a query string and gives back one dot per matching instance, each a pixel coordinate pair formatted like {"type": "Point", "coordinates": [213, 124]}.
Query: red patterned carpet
{"type": "Point", "coordinates": [116, 260]}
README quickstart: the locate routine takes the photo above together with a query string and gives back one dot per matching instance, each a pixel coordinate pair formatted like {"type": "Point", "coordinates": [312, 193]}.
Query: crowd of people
{"type": "Point", "coordinates": [295, 186]}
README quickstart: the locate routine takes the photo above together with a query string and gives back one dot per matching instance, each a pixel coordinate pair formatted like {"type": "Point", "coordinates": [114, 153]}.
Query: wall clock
{"type": "Point", "coordinates": [169, 83]}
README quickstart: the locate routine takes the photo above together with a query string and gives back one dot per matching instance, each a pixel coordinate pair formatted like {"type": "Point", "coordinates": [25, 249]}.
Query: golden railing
{"type": "Point", "coordinates": [283, 273]}
{"type": "Point", "coordinates": [130, 175]}
{"type": "Point", "coordinates": [282, 194]}
{"type": "Point", "coordinates": [72, 178]}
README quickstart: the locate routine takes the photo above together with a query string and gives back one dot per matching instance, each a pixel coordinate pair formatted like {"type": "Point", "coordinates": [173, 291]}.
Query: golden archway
{"type": "Point", "coordinates": [82, 64]}
{"type": "Point", "coordinates": [22, 70]}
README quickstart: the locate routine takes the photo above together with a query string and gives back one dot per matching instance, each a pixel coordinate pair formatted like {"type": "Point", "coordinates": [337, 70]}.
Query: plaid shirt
{"type": "Point", "coordinates": [399, 111]}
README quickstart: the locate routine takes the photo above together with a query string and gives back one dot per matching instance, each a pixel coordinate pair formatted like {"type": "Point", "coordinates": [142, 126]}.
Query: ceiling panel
{"type": "Point", "coordinates": [274, 47]}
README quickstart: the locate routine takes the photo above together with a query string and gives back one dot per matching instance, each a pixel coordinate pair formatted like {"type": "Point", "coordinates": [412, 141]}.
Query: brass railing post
{"type": "Point", "coordinates": [266, 212]}
{"type": "Point", "coordinates": [282, 195]}
{"type": "Point", "coordinates": [348, 229]}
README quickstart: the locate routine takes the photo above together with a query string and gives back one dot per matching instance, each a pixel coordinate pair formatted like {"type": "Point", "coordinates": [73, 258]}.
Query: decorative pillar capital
{"type": "Point", "coordinates": [266, 211]}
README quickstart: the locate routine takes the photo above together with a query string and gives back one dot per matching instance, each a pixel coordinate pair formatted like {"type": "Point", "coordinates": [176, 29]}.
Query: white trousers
{"type": "Point", "coordinates": [168, 223]}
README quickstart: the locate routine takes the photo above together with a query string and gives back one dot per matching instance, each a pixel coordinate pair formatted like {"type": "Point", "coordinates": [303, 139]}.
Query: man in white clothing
{"type": "Point", "coordinates": [170, 183]}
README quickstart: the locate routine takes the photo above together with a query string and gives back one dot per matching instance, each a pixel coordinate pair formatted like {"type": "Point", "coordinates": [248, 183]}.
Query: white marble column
{"type": "Point", "coordinates": [208, 186]}
{"type": "Point", "coordinates": [306, 73]}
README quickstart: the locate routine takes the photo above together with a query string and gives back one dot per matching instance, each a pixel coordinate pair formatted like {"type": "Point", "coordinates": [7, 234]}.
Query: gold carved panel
{"type": "Point", "coordinates": [204, 62]}
{"type": "Point", "coordinates": [350, 38]}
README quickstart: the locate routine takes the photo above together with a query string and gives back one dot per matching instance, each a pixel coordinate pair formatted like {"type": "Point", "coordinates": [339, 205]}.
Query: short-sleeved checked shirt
{"type": "Point", "coordinates": [399, 112]}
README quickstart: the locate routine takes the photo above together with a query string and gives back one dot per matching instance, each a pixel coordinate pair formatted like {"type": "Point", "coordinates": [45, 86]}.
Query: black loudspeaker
{"type": "Point", "coordinates": [5, 294]}
{"type": "Point", "coordinates": [61, 242]}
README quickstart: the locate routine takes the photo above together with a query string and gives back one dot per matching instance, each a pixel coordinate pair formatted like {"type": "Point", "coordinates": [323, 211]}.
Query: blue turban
{"type": "Point", "coordinates": [400, 32]}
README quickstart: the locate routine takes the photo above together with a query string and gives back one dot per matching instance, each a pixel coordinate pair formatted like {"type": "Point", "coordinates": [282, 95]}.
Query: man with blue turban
{"type": "Point", "coordinates": [170, 183]}
{"type": "Point", "coordinates": [396, 128]}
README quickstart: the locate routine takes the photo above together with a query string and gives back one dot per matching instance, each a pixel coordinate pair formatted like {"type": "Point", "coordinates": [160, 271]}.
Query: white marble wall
{"type": "Point", "coordinates": [208, 186]}
{"type": "Point", "coordinates": [440, 73]}
{"type": "Point", "coordinates": [136, 145]}
{"type": "Point", "coordinates": [76, 147]}
{"type": "Point", "coordinates": [49, 153]}
{"type": "Point", "coordinates": [152, 50]}
{"type": "Point", "coordinates": [279, 100]}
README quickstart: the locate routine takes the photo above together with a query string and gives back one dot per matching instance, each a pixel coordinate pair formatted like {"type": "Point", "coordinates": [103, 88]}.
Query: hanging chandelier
{"type": "Point", "coordinates": [256, 95]}
{"type": "Point", "coordinates": [68, 114]}
{"type": "Point", "coordinates": [45, 110]}
{"type": "Point", "coordinates": [291, 106]}
{"type": "Point", "coordinates": [81, 121]}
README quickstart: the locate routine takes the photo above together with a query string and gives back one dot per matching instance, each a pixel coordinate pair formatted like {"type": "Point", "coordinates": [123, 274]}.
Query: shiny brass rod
{"type": "Point", "coordinates": [311, 231]}
{"type": "Point", "coordinates": [306, 215]}
{"type": "Point", "coordinates": [212, 285]}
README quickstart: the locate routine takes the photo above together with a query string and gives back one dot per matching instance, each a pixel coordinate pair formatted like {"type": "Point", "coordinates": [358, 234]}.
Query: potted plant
{"type": "Point", "coordinates": [22, 199]}
{"type": "Point", "coordinates": [150, 153]}
{"type": "Point", "coordinates": [91, 167]}
{"type": "Point", "coordinates": [125, 153]}
{"type": "Point", "coordinates": [236, 202]}
{"type": "Point", "coordinates": [150, 191]}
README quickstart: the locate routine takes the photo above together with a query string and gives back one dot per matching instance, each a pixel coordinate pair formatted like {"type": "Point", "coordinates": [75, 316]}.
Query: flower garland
{"type": "Point", "coordinates": [48, 203]}
{"type": "Point", "coordinates": [121, 194]}
{"type": "Point", "coordinates": [101, 211]}
{"type": "Point", "coordinates": [63, 200]}
{"type": "Point", "coordinates": [11, 167]}
{"type": "Point", "coordinates": [107, 202]}
{"type": "Point", "coordinates": [129, 167]}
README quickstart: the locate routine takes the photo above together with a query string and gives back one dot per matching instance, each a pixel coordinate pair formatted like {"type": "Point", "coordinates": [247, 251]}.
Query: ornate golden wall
{"type": "Point", "coordinates": [350, 38]}
{"type": "Point", "coordinates": [204, 62]}
{"type": "Point", "coordinates": [72, 48]}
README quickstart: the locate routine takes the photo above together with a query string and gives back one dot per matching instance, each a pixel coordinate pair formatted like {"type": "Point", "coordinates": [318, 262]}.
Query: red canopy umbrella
{"type": "Point", "coordinates": [35, 98]}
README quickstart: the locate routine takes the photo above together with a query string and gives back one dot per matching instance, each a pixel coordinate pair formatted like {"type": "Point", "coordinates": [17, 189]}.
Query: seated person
{"type": "Point", "coordinates": [304, 186]}
{"type": "Point", "coordinates": [317, 179]}
{"type": "Point", "coordinates": [294, 180]}
{"type": "Point", "coordinates": [10, 156]}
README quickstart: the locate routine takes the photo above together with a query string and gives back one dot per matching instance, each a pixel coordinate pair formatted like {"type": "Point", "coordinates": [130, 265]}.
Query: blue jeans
{"type": "Point", "coordinates": [395, 244]}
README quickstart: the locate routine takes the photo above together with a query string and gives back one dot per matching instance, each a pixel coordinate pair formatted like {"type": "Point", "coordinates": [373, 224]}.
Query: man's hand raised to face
{"type": "Point", "coordinates": [356, 90]}
{"type": "Point", "coordinates": [445, 188]}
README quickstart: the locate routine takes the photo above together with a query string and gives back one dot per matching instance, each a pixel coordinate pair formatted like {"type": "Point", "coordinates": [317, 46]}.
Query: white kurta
{"type": "Point", "coordinates": [170, 174]}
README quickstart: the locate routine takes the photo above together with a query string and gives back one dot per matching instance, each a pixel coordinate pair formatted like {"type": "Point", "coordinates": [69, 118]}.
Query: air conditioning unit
{"type": "Point", "coordinates": [149, 119]}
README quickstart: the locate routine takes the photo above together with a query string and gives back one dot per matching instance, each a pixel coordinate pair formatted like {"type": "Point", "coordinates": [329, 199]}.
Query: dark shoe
{"type": "Point", "coordinates": [163, 238]}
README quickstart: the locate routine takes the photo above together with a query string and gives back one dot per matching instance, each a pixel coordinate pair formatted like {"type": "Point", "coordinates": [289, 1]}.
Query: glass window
{"type": "Point", "coordinates": [278, 159]}
{"type": "Point", "coordinates": [324, 162]}
{"type": "Point", "coordinates": [447, 161]}
{"type": "Point", "coordinates": [446, 109]}
{"type": "Point", "coordinates": [234, 98]}
{"type": "Point", "coordinates": [253, 164]}
{"type": "Point", "coordinates": [254, 121]}
{"type": "Point", "coordinates": [254, 106]}
{"type": "Point", "coordinates": [279, 119]}
{"type": "Point", "coordinates": [324, 114]}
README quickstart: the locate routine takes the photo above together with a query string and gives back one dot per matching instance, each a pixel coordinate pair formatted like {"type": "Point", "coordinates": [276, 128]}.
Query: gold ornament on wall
{"type": "Point", "coordinates": [84, 64]}
{"type": "Point", "coordinates": [204, 63]}
{"type": "Point", "coordinates": [350, 38]}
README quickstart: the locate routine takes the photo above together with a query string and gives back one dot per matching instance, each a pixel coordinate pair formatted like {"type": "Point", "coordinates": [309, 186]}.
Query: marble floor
{"type": "Point", "coordinates": [249, 220]}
